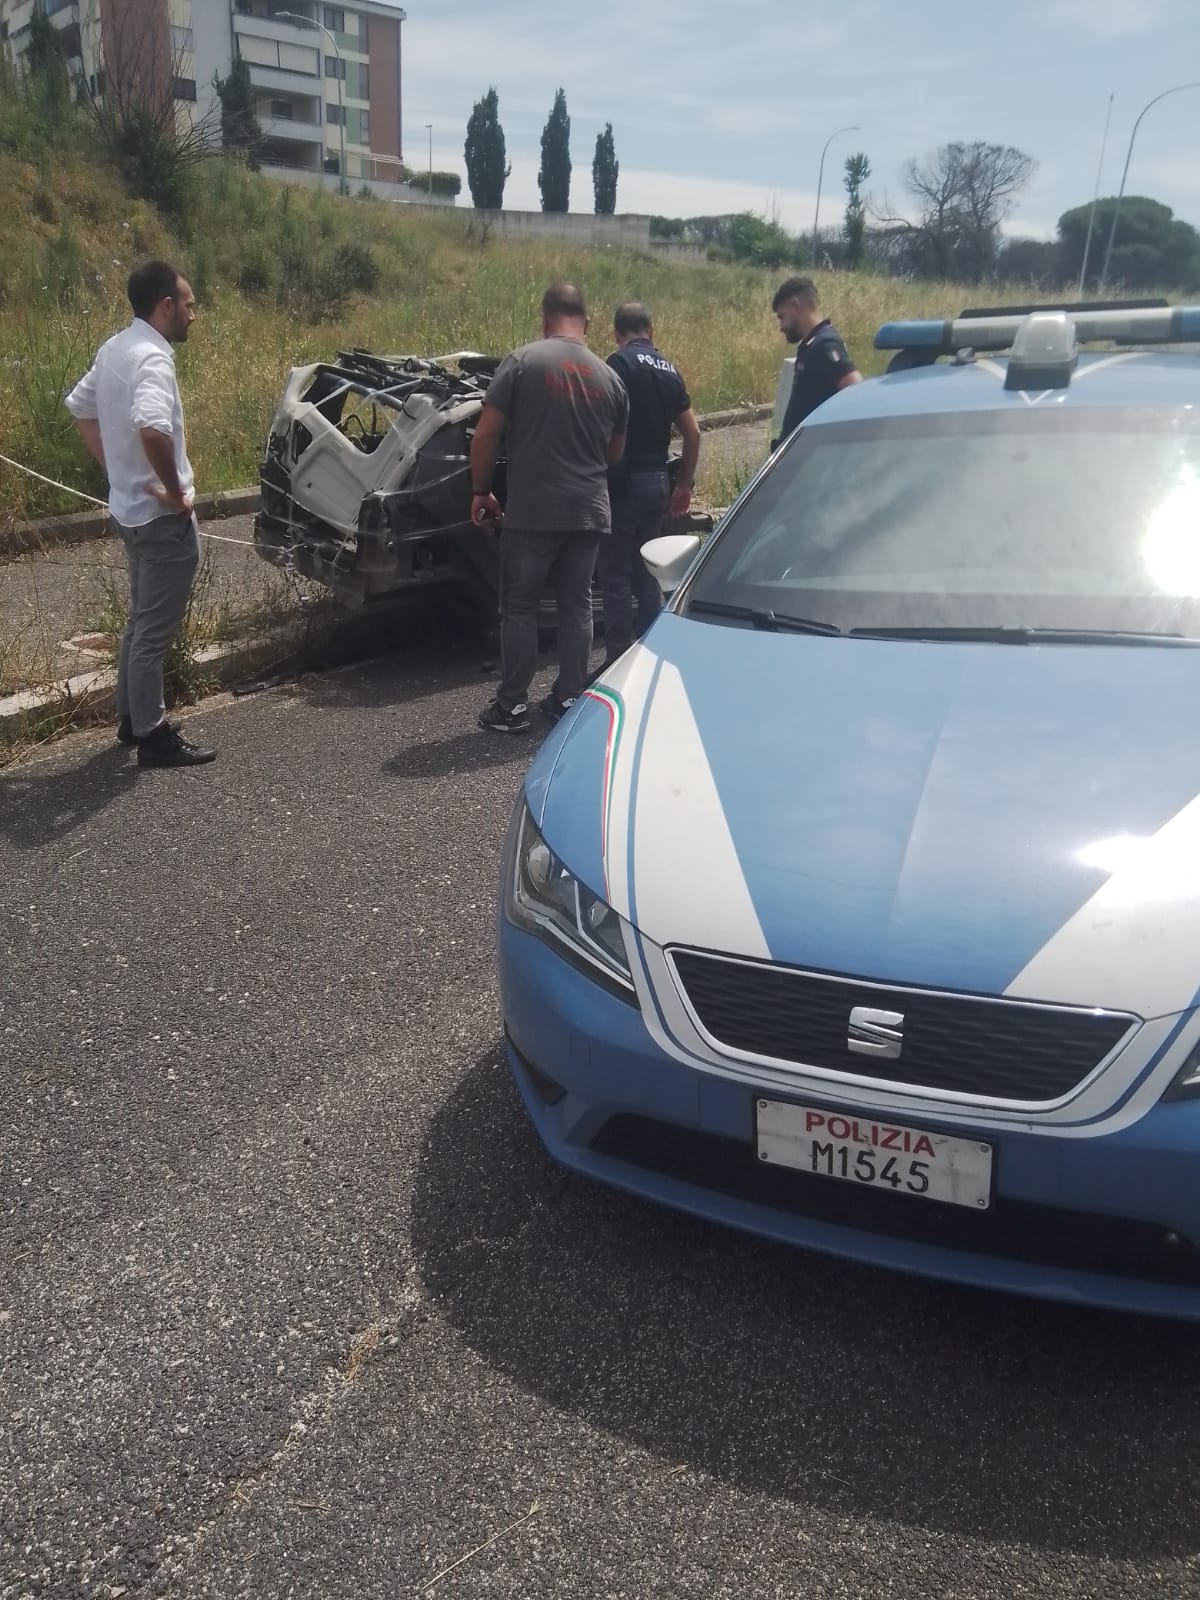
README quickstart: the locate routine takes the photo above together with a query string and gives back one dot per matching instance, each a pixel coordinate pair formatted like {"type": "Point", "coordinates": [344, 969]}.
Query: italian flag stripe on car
{"type": "Point", "coordinates": [613, 704]}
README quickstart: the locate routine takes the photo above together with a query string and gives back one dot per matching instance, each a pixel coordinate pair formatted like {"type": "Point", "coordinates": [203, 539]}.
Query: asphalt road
{"type": "Point", "coordinates": [293, 1304]}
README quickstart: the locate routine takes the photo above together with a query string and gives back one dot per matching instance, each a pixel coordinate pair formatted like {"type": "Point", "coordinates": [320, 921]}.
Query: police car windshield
{"type": "Point", "coordinates": [1072, 520]}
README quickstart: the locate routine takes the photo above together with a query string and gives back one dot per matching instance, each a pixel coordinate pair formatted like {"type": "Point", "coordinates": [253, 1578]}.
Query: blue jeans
{"type": "Point", "coordinates": [528, 562]}
{"type": "Point", "coordinates": [638, 507]}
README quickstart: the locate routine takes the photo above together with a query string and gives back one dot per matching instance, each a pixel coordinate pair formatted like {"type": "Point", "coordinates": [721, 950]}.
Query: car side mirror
{"type": "Point", "coordinates": [669, 557]}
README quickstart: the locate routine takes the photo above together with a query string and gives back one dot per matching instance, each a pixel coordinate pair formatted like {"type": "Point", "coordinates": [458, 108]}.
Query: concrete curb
{"type": "Point", "coordinates": [78, 527]}
{"type": "Point", "coordinates": [734, 419]}
{"type": "Point", "coordinates": [89, 697]}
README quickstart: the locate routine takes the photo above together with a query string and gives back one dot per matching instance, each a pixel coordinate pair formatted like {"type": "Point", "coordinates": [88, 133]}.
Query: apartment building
{"type": "Point", "coordinates": [326, 79]}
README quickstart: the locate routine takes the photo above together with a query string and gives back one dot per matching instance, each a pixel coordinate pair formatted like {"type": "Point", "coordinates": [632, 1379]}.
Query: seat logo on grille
{"type": "Point", "coordinates": [875, 1033]}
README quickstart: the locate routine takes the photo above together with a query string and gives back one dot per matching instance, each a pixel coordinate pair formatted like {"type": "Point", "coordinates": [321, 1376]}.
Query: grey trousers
{"type": "Point", "coordinates": [528, 562]}
{"type": "Point", "coordinates": [162, 557]}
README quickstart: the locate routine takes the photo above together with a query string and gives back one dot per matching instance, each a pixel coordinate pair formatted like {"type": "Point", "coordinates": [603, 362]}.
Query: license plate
{"type": "Point", "coordinates": [880, 1155]}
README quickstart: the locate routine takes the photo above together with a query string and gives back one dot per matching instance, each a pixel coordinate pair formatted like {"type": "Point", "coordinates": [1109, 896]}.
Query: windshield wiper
{"type": "Point", "coordinates": [762, 617]}
{"type": "Point", "coordinates": [1003, 635]}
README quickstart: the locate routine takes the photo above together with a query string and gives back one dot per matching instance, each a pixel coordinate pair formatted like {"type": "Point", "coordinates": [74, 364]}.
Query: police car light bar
{"type": "Point", "coordinates": [1172, 325]}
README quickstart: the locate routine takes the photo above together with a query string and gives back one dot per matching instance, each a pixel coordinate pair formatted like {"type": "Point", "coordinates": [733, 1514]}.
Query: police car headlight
{"type": "Point", "coordinates": [547, 900]}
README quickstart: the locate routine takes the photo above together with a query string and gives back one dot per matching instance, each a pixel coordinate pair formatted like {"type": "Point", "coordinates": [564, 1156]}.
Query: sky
{"type": "Point", "coordinates": [726, 106]}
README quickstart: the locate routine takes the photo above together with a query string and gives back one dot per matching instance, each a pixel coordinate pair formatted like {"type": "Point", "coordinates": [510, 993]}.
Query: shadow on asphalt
{"type": "Point", "coordinates": [39, 804]}
{"type": "Point", "coordinates": [461, 752]}
{"type": "Point", "coordinates": [794, 1376]}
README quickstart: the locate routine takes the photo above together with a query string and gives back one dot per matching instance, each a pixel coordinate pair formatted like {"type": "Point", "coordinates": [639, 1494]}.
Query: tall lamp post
{"type": "Point", "coordinates": [308, 22]}
{"type": "Point", "coordinates": [1112, 232]}
{"type": "Point", "coordinates": [852, 128]}
{"type": "Point", "coordinates": [429, 187]}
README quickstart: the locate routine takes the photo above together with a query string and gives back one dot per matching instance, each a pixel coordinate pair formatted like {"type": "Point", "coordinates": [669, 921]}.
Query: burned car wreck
{"type": "Point", "coordinates": [365, 478]}
{"type": "Point", "coordinates": [365, 481]}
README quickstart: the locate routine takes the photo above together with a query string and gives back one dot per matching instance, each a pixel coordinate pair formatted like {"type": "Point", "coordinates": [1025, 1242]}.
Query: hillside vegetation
{"type": "Point", "coordinates": [289, 275]}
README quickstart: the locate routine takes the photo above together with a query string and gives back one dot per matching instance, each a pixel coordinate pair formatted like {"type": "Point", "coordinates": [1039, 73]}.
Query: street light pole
{"type": "Point", "coordinates": [1087, 246]}
{"type": "Point", "coordinates": [1112, 232]}
{"type": "Point", "coordinates": [429, 189]}
{"type": "Point", "coordinates": [308, 22]}
{"type": "Point", "coordinates": [853, 128]}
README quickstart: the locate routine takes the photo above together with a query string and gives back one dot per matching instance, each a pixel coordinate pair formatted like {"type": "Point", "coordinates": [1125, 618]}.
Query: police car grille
{"type": "Point", "coordinates": [1001, 1049]}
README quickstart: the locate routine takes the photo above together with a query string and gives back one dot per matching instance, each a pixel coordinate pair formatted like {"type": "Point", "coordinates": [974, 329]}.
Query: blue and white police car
{"type": "Point", "coordinates": [859, 905]}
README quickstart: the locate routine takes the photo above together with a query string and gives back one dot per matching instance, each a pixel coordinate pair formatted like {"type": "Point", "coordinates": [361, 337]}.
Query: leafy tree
{"type": "Point", "coordinates": [240, 128]}
{"type": "Point", "coordinates": [1152, 248]}
{"type": "Point", "coordinates": [554, 176]}
{"type": "Point", "coordinates": [858, 170]}
{"type": "Point", "coordinates": [605, 168]}
{"type": "Point", "coordinates": [760, 243]}
{"type": "Point", "coordinates": [743, 236]}
{"type": "Point", "coordinates": [447, 184]}
{"type": "Point", "coordinates": [487, 169]}
{"type": "Point", "coordinates": [1034, 261]}
{"type": "Point", "coordinates": [45, 61]}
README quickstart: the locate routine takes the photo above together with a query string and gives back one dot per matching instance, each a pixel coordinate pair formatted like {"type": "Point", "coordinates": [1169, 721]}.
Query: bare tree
{"type": "Point", "coordinates": [991, 176]}
{"type": "Point", "coordinates": [140, 95]}
{"type": "Point", "coordinates": [963, 193]}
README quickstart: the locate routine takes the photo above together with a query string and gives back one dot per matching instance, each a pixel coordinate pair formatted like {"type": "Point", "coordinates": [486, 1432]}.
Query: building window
{"type": "Point", "coordinates": [335, 67]}
{"type": "Point", "coordinates": [181, 41]}
{"type": "Point", "coordinates": [335, 115]}
{"type": "Point", "coordinates": [335, 19]}
{"type": "Point", "coordinates": [283, 110]}
{"type": "Point", "coordinates": [183, 88]}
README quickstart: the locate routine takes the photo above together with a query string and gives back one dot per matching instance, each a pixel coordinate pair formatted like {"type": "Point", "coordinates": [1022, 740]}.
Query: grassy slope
{"type": "Point", "coordinates": [71, 235]}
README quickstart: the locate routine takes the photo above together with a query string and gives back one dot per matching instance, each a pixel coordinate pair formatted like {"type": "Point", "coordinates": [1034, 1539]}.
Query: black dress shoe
{"type": "Point", "coordinates": [166, 747]}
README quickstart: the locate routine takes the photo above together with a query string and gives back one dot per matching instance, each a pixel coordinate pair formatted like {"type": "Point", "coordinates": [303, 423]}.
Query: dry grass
{"type": "Point", "coordinates": [75, 236]}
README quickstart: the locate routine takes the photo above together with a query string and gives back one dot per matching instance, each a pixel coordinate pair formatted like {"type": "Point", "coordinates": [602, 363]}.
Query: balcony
{"type": "Point", "coordinates": [260, 10]}
{"type": "Point", "coordinates": [291, 129]}
{"type": "Point", "coordinates": [279, 82]}
{"type": "Point", "coordinates": [279, 55]}
{"type": "Point", "coordinates": [294, 159]}
{"type": "Point", "coordinates": [300, 114]}
{"type": "Point", "coordinates": [273, 28]}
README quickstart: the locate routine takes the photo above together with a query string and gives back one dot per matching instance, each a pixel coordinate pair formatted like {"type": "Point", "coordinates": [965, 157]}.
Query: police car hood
{"type": "Point", "coordinates": [997, 819]}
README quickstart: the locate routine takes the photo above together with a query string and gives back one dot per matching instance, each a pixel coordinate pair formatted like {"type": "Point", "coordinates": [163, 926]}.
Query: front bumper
{"type": "Point", "coordinates": [1111, 1220]}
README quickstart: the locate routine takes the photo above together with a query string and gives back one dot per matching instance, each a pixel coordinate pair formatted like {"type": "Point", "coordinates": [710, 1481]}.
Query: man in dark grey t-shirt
{"type": "Point", "coordinates": [563, 413]}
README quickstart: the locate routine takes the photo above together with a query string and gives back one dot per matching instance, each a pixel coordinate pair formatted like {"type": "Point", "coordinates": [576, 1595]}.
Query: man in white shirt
{"type": "Point", "coordinates": [128, 413]}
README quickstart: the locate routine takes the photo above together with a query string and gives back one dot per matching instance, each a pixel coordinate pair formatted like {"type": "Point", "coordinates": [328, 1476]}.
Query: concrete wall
{"type": "Point", "coordinates": [402, 193]}
{"type": "Point", "coordinates": [673, 250]}
{"type": "Point", "coordinates": [627, 231]}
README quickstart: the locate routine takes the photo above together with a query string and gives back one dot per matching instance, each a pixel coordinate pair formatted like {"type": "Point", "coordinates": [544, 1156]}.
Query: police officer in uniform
{"type": "Point", "coordinates": [823, 364]}
{"type": "Point", "coordinates": [638, 487]}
